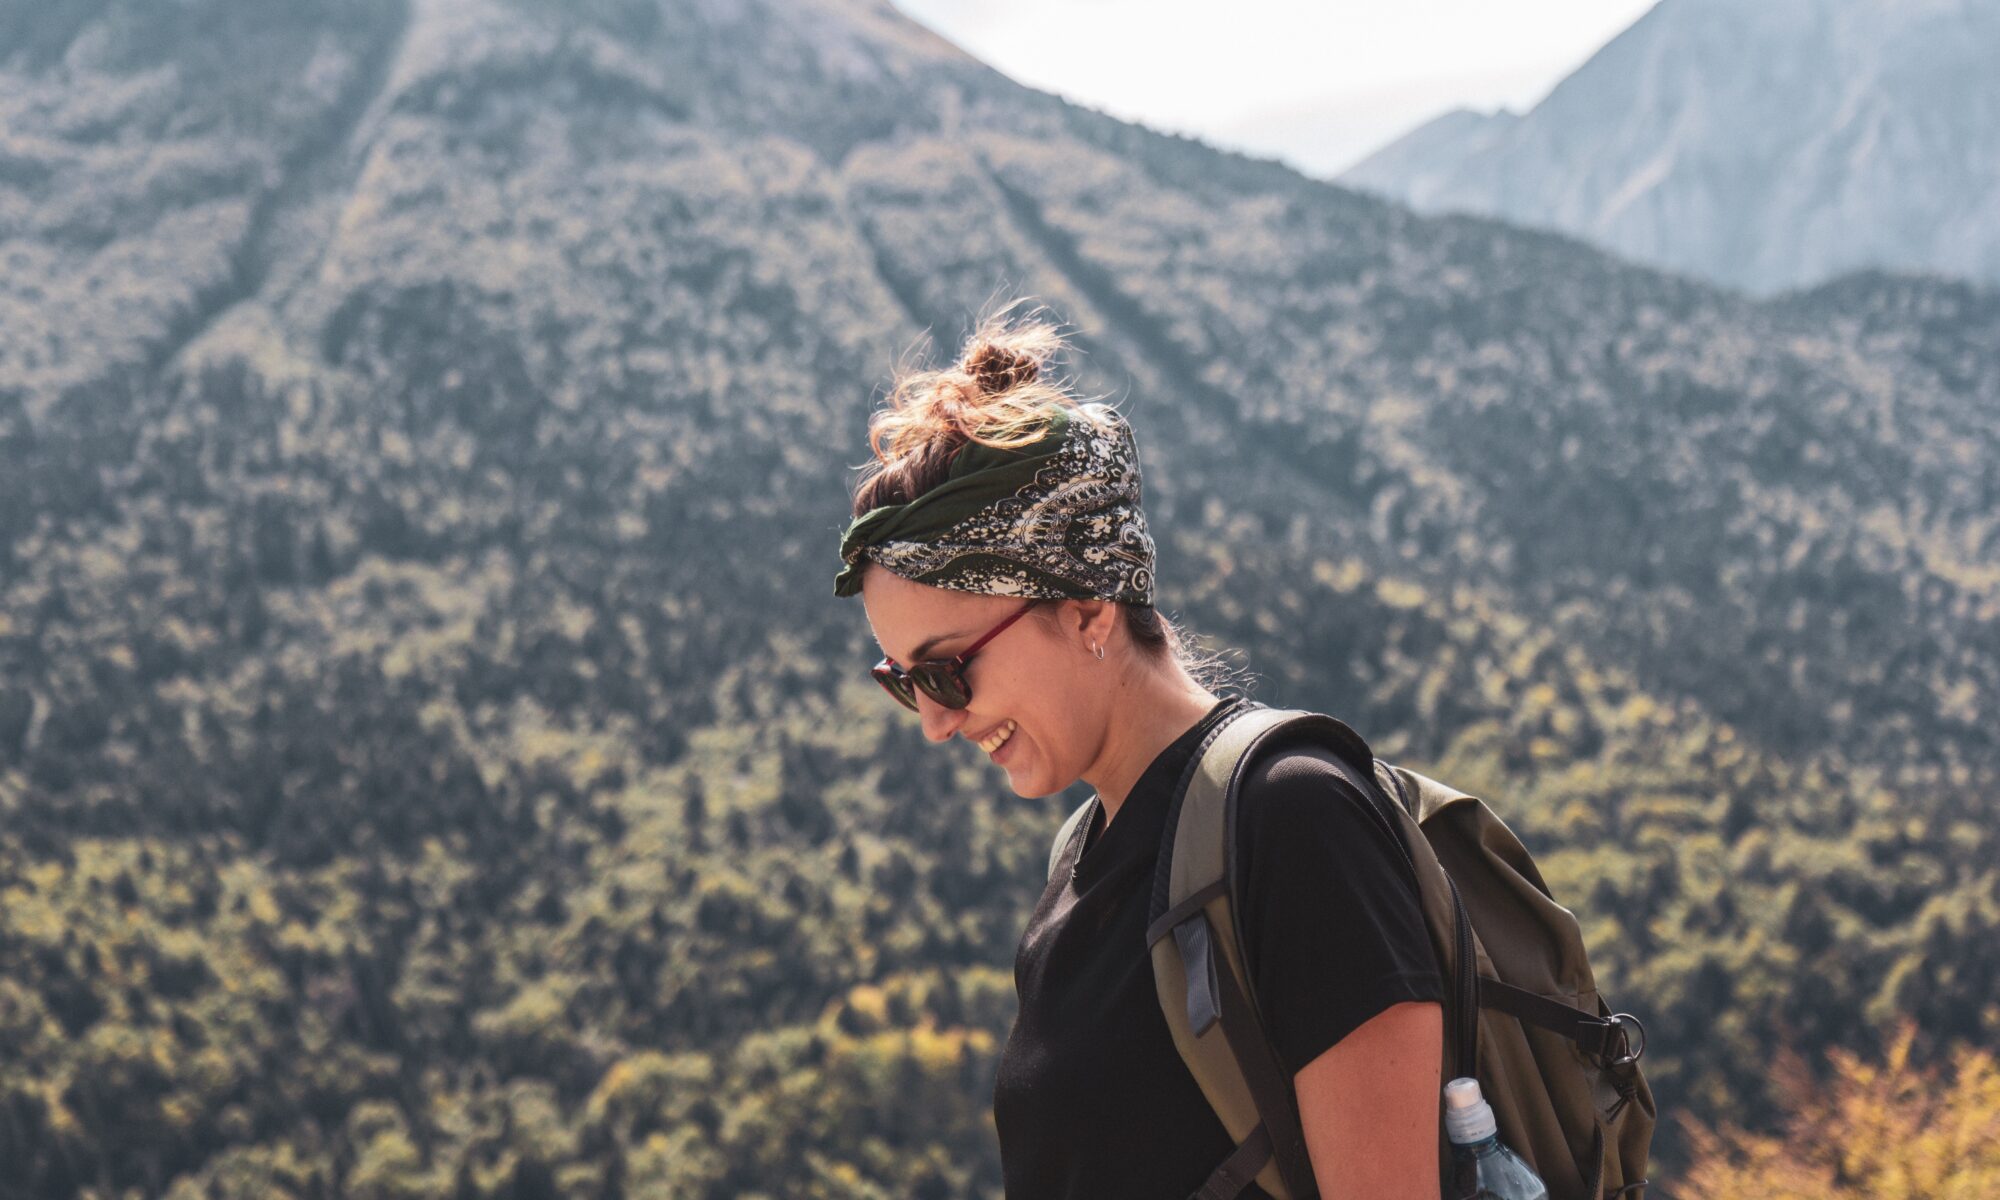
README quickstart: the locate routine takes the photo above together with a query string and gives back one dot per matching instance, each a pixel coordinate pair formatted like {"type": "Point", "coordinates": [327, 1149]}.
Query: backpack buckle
{"type": "Point", "coordinates": [1618, 1023]}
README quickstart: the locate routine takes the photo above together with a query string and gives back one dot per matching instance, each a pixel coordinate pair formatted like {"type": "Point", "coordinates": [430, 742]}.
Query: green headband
{"type": "Point", "coordinates": [1058, 518]}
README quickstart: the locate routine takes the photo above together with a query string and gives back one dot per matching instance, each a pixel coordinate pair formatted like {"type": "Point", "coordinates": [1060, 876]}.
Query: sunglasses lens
{"type": "Point", "coordinates": [941, 684]}
{"type": "Point", "coordinates": [896, 684]}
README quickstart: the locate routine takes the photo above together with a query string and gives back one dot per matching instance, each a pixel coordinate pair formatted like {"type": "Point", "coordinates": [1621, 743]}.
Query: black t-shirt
{"type": "Point", "coordinates": [1092, 1101]}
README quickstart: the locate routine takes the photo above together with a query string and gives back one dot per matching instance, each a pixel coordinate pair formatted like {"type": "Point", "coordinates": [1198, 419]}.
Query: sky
{"type": "Point", "coordinates": [1319, 86]}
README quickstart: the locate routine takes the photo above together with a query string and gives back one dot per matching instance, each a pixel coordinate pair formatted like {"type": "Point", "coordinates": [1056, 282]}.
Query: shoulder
{"type": "Point", "coordinates": [1302, 802]}
{"type": "Point", "coordinates": [1331, 914]}
{"type": "Point", "coordinates": [1295, 778]}
{"type": "Point", "coordinates": [1304, 749]}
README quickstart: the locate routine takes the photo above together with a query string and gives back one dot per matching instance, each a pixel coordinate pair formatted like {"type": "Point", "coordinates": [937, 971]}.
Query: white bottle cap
{"type": "Point", "coordinates": [1467, 1116]}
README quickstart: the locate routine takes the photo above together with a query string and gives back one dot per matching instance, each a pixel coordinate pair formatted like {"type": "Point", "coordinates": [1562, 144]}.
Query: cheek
{"type": "Point", "coordinates": [1051, 711]}
{"type": "Point", "coordinates": [1048, 692]}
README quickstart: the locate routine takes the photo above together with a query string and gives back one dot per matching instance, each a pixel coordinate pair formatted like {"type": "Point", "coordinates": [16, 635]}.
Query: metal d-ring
{"type": "Point", "coordinates": [1630, 1056]}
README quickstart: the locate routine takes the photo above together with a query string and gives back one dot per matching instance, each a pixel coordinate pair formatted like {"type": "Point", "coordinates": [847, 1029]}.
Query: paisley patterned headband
{"type": "Point", "coordinates": [1058, 518]}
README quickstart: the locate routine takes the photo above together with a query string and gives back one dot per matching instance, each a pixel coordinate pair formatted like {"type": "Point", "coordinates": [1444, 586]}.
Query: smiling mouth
{"type": "Point", "coordinates": [998, 737]}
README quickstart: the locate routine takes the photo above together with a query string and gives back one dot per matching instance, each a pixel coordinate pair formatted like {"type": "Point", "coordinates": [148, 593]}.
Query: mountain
{"type": "Point", "coordinates": [1765, 146]}
{"type": "Point", "coordinates": [432, 761]}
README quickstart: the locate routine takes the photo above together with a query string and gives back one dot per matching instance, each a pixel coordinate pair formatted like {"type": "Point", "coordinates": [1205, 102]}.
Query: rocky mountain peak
{"type": "Point", "coordinates": [1766, 146]}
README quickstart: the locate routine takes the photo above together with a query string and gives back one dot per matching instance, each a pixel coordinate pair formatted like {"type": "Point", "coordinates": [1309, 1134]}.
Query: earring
{"type": "Point", "coordinates": [1098, 650]}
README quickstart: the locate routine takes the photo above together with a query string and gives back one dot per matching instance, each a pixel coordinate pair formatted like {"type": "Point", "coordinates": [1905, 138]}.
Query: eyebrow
{"type": "Point", "coordinates": [924, 651]}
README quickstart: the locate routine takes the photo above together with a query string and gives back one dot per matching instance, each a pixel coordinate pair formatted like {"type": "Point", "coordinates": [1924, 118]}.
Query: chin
{"type": "Point", "coordinates": [1021, 785]}
{"type": "Point", "coordinates": [1030, 789]}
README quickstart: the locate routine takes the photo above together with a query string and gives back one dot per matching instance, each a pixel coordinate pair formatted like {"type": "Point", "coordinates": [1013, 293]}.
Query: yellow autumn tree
{"type": "Point", "coordinates": [1887, 1131]}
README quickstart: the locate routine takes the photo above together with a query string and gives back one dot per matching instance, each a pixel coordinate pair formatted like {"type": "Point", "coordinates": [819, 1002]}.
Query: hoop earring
{"type": "Point", "coordinates": [1098, 650]}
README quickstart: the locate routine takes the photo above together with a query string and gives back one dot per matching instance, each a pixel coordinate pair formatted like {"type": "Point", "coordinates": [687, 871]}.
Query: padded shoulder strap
{"type": "Point", "coordinates": [1202, 981]}
{"type": "Point", "coordinates": [1200, 973]}
{"type": "Point", "coordinates": [1068, 830]}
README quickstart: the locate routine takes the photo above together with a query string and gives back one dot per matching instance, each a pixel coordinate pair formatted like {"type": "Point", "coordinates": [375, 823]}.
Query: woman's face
{"type": "Point", "coordinates": [1034, 675]}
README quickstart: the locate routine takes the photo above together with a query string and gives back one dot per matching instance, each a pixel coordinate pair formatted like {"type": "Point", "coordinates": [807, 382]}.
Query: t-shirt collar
{"type": "Point", "coordinates": [1135, 835]}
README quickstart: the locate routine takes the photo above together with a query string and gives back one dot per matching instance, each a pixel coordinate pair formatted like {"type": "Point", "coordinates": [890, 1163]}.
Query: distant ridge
{"type": "Point", "coordinates": [1766, 145]}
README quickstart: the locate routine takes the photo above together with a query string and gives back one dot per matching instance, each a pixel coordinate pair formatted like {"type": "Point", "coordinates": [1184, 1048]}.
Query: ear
{"type": "Point", "coordinates": [1092, 621]}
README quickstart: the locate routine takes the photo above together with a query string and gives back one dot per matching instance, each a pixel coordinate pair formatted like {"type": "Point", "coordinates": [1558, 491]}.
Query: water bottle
{"type": "Point", "coordinates": [1476, 1151]}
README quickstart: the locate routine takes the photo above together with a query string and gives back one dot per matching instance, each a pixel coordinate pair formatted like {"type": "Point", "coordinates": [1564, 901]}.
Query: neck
{"type": "Point", "coordinates": [1146, 719]}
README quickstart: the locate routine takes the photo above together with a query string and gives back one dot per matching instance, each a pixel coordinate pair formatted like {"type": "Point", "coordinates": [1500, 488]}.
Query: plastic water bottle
{"type": "Point", "coordinates": [1476, 1149]}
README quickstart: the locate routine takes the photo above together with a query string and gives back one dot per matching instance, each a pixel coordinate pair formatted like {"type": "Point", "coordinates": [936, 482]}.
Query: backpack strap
{"type": "Point", "coordinates": [1076, 820]}
{"type": "Point", "coordinates": [1200, 976]}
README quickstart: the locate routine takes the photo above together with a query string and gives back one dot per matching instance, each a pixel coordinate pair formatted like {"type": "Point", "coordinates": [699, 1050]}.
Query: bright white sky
{"type": "Point", "coordinates": [1317, 85]}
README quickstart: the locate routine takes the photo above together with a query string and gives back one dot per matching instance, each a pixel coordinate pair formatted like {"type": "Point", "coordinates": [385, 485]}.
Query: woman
{"type": "Point", "coordinates": [1001, 555]}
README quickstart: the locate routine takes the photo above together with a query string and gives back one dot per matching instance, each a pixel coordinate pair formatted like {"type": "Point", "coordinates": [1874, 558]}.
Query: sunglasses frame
{"type": "Point", "coordinates": [942, 679]}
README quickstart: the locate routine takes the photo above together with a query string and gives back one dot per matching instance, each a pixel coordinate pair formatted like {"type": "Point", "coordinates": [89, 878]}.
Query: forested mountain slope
{"type": "Point", "coordinates": [432, 760]}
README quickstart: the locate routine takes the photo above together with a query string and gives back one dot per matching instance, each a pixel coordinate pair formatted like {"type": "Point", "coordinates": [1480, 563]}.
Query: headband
{"type": "Point", "coordinates": [1057, 518]}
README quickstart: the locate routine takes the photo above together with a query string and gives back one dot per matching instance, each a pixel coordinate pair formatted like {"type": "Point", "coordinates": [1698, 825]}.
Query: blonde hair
{"type": "Point", "coordinates": [997, 394]}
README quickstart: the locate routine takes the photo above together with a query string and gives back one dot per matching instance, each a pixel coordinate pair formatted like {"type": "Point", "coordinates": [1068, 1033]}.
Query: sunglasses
{"type": "Point", "coordinates": [942, 679]}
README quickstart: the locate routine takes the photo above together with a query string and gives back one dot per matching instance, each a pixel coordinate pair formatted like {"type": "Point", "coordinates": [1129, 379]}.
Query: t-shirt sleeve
{"type": "Point", "coordinates": [1331, 920]}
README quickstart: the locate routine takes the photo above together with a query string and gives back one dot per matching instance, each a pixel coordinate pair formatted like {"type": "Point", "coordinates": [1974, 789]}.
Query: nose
{"type": "Point", "coordinates": [939, 722]}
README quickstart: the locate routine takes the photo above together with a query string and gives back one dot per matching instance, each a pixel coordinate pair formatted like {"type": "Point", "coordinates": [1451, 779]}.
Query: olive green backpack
{"type": "Point", "coordinates": [1522, 1012]}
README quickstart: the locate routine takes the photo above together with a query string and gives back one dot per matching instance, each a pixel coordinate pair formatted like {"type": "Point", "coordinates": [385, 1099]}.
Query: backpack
{"type": "Point", "coordinates": [1522, 1012]}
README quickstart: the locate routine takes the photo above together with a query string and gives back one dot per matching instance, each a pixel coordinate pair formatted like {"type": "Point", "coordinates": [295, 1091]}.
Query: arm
{"type": "Point", "coordinates": [1345, 972]}
{"type": "Point", "coordinates": [1369, 1106]}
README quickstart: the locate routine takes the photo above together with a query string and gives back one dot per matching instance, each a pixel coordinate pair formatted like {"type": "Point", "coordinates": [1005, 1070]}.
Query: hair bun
{"type": "Point", "coordinates": [998, 369]}
{"type": "Point", "coordinates": [996, 394]}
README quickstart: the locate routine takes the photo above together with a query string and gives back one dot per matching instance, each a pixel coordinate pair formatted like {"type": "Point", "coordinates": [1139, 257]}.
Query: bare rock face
{"type": "Point", "coordinates": [1766, 146]}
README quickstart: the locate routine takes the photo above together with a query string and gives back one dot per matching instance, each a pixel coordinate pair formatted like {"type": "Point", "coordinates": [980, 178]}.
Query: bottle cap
{"type": "Point", "coordinates": [1467, 1116]}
